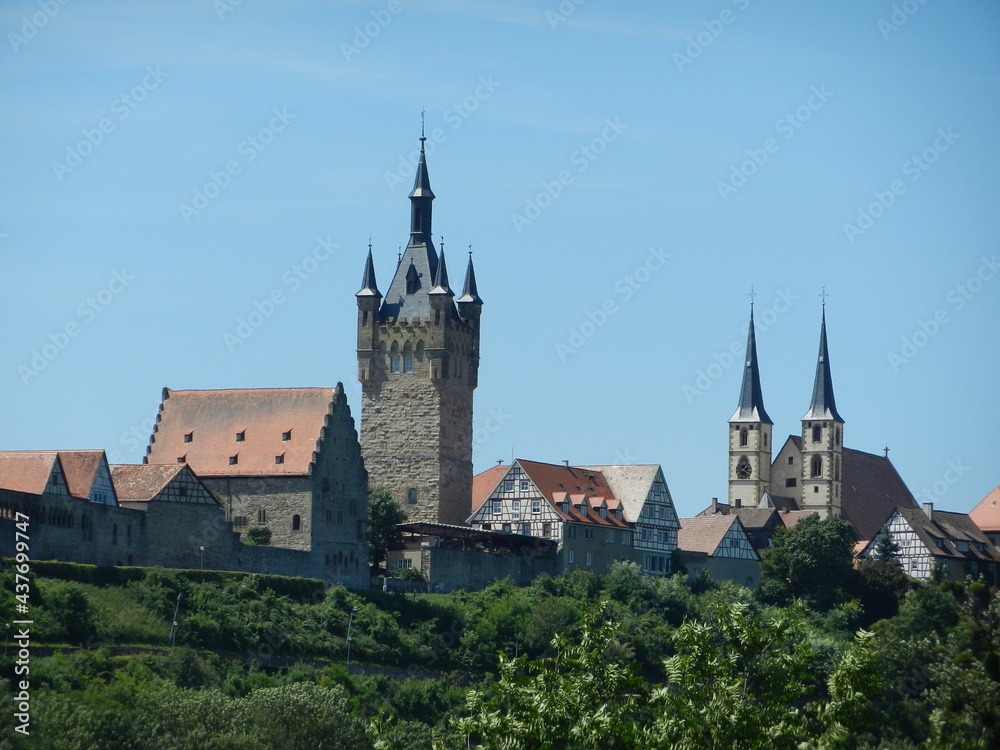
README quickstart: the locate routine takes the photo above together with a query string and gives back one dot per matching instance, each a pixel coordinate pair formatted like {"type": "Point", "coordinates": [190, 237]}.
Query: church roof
{"type": "Point", "coordinates": [243, 431]}
{"type": "Point", "coordinates": [987, 513]}
{"type": "Point", "coordinates": [751, 406]}
{"type": "Point", "coordinates": [824, 405]}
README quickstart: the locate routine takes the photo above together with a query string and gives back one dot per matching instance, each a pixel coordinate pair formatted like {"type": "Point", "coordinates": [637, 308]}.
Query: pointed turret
{"type": "Point", "coordinates": [441, 285]}
{"type": "Point", "coordinates": [751, 406]}
{"type": "Point", "coordinates": [369, 288]}
{"type": "Point", "coordinates": [470, 292]}
{"type": "Point", "coordinates": [823, 406]}
{"type": "Point", "coordinates": [420, 202]}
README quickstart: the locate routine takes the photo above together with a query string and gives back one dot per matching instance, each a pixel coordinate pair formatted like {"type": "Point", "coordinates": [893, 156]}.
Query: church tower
{"type": "Point", "coordinates": [418, 363]}
{"type": "Point", "coordinates": [749, 435]}
{"type": "Point", "coordinates": [822, 440]}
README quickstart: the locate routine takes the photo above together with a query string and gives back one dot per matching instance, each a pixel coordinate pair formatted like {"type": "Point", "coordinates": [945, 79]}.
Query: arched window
{"type": "Point", "coordinates": [412, 280]}
{"type": "Point", "coordinates": [296, 522]}
{"type": "Point", "coordinates": [817, 433]}
{"type": "Point", "coordinates": [836, 468]}
{"type": "Point", "coordinates": [744, 437]}
{"type": "Point", "coordinates": [817, 466]}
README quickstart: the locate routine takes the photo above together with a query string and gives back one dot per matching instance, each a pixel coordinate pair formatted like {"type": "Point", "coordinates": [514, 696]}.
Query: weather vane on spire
{"type": "Point", "coordinates": [822, 295]}
{"type": "Point", "coordinates": [470, 249]}
{"type": "Point", "coordinates": [752, 294]}
{"type": "Point", "coordinates": [422, 113]}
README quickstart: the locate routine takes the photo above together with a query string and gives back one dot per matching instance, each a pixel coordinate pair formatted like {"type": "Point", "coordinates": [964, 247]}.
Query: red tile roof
{"type": "Point", "coordinates": [484, 483]}
{"type": "Point", "coordinates": [704, 533]}
{"type": "Point", "coordinates": [987, 513]}
{"type": "Point", "coordinates": [29, 471]}
{"type": "Point", "coordinates": [141, 482]}
{"type": "Point", "coordinates": [240, 432]}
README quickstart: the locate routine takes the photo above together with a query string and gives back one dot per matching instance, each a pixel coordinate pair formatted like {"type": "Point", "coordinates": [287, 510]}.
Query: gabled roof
{"type": "Point", "coordinates": [630, 483]}
{"type": "Point", "coordinates": [484, 482]}
{"type": "Point", "coordinates": [29, 471]}
{"type": "Point", "coordinates": [987, 513]}
{"type": "Point", "coordinates": [792, 517]}
{"type": "Point", "coordinates": [203, 427]}
{"type": "Point", "coordinates": [950, 528]}
{"type": "Point", "coordinates": [704, 533]}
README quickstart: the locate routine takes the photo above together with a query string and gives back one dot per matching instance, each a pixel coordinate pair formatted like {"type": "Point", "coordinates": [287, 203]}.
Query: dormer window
{"type": "Point", "coordinates": [280, 458]}
{"type": "Point", "coordinates": [188, 437]}
{"type": "Point", "coordinates": [583, 510]}
{"type": "Point", "coordinates": [412, 280]}
{"type": "Point", "coordinates": [286, 436]}
{"type": "Point", "coordinates": [241, 436]}
{"type": "Point", "coordinates": [603, 512]}
{"type": "Point", "coordinates": [233, 460]}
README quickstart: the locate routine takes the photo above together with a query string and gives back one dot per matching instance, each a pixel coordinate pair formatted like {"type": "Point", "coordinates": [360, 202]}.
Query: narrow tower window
{"type": "Point", "coordinates": [744, 437]}
{"type": "Point", "coordinates": [817, 433]}
{"type": "Point", "coordinates": [296, 522]}
{"type": "Point", "coordinates": [412, 280]}
{"type": "Point", "coordinates": [817, 466]}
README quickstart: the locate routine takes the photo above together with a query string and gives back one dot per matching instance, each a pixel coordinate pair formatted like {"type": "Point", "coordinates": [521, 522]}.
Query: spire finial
{"type": "Point", "coordinates": [886, 449]}
{"type": "Point", "coordinates": [470, 250]}
{"type": "Point", "coordinates": [752, 295]}
{"type": "Point", "coordinates": [822, 295]}
{"type": "Point", "coordinates": [369, 243]}
{"type": "Point", "coordinates": [422, 137]}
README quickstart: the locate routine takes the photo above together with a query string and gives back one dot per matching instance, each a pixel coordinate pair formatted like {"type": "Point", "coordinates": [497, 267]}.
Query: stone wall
{"type": "Point", "coordinates": [450, 569]}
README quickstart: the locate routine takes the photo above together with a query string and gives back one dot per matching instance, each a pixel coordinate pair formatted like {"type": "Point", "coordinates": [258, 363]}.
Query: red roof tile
{"type": "Point", "coordinates": [141, 482]}
{"type": "Point", "coordinates": [240, 432]}
{"type": "Point", "coordinates": [704, 533]}
{"type": "Point", "coordinates": [987, 513]}
{"type": "Point", "coordinates": [484, 483]}
{"type": "Point", "coordinates": [29, 471]}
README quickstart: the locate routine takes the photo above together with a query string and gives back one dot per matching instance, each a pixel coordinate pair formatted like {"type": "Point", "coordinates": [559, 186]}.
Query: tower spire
{"type": "Point", "coordinates": [420, 199]}
{"type": "Point", "coordinates": [751, 406]}
{"type": "Point", "coordinates": [470, 292]}
{"type": "Point", "coordinates": [824, 405]}
{"type": "Point", "coordinates": [369, 288]}
{"type": "Point", "coordinates": [441, 285]}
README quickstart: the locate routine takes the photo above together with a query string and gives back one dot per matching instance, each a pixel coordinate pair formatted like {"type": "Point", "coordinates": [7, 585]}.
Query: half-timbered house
{"type": "Point", "coordinates": [720, 546]}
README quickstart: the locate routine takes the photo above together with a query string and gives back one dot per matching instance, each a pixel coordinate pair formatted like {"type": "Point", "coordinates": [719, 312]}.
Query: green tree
{"type": "Point", "coordinates": [259, 536]}
{"type": "Point", "coordinates": [814, 560]}
{"type": "Point", "coordinates": [384, 514]}
{"type": "Point", "coordinates": [886, 547]}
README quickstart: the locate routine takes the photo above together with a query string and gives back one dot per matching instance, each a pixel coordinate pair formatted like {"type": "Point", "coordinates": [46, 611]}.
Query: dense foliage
{"type": "Point", "coordinates": [869, 660]}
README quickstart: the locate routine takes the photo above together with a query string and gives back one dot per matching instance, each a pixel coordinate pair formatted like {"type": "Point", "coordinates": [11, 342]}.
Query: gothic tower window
{"type": "Point", "coordinates": [412, 280]}
{"type": "Point", "coordinates": [817, 466]}
{"type": "Point", "coordinates": [296, 522]}
{"type": "Point", "coordinates": [744, 437]}
{"type": "Point", "coordinates": [817, 433]}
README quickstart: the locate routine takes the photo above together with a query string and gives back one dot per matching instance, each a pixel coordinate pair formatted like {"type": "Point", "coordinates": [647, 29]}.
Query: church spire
{"type": "Point", "coordinates": [369, 288]}
{"type": "Point", "coordinates": [823, 405]}
{"type": "Point", "coordinates": [751, 406]}
{"type": "Point", "coordinates": [470, 292]}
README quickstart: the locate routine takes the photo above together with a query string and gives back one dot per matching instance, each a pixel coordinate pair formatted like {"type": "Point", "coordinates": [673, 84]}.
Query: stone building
{"type": "Point", "coordinates": [418, 363]}
{"type": "Point", "coordinates": [720, 546]}
{"type": "Point", "coordinates": [813, 472]}
{"type": "Point", "coordinates": [287, 459]}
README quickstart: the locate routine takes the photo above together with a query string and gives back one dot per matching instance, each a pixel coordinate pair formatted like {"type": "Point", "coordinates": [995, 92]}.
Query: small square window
{"type": "Point", "coordinates": [497, 507]}
{"type": "Point", "coordinates": [790, 482]}
{"type": "Point", "coordinates": [536, 506]}
{"type": "Point", "coordinates": [241, 436]}
{"type": "Point", "coordinates": [280, 458]}
{"type": "Point", "coordinates": [188, 437]}
{"type": "Point", "coordinates": [182, 491]}
{"type": "Point", "coordinates": [286, 436]}
{"type": "Point", "coordinates": [524, 485]}
{"type": "Point", "coordinates": [791, 460]}
{"type": "Point", "coordinates": [508, 485]}
{"type": "Point", "coordinates": [233, 460]}
{"type": "Point", "coordinates": [261, 516]}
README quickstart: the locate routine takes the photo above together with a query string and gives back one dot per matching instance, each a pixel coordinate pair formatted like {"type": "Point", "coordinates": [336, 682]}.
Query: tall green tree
{"type": "Point", "coordinates": [384, 514]}
{"type": "Point", "coordinates": [814, 560]}
{"type": "Point", "coordinates": [886, 547]}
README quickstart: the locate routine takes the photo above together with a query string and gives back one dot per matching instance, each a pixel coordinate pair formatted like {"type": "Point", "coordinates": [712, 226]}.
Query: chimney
{"type": "Point", "coordinates": [737, 503]}
{"type": "Point", "coordinates": [566, 462]}
{"type": "Point", "coordinates": [929, 510]}
{"type": "Point", "coordinates": [715, 506]}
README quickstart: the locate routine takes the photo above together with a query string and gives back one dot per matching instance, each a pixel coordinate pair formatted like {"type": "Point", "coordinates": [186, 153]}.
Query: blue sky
{"type": "Point", "coordinates": [623, 172]}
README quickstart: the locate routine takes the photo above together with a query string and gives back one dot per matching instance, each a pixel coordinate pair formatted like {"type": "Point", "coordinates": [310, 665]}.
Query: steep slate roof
{"type": "Point", "coordinates": [484, 483]}
{"type": "Point", "coordinates": [630, 483]}
{"type": "Point", "coordinates": [263, 415]}
{"type": "Point", "coordinates": [987, 513]}
{"type": "Point", "coordinates": [704, 533]}
{"type": "Point", "coordinates": [751, 406]}
{"type": "Point", "coordinates": [29, 471]}
{"type": "Point", "coordinates": [824, 405]}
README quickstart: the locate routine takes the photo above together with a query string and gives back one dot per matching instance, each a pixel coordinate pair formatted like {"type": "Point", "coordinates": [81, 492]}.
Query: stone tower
{"type": "Point", "coordinates": [418, 363]}
{"type": "Point", "coordinates": [749, 436]}
{"type": "Point", "coordinates": [822, 440]}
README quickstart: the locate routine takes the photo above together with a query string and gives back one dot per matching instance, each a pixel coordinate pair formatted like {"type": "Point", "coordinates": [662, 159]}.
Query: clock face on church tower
{"type": "Point", "coordinates": [743, 470]}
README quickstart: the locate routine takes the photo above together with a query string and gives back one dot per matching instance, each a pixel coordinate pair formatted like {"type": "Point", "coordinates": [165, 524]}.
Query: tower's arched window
{"type": "Point", "coordinates": [817, 466]}
{"type": "Point", "coordinates": [836, 468]}
{"type": "Point", "coordinates": [817, 433]}
{"type": "Point", "coordinates": [838, 436]}
{"type": "Point", "coordinates": [744, 437]}
{"type": "Point", "coordinates": [296, 522]}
